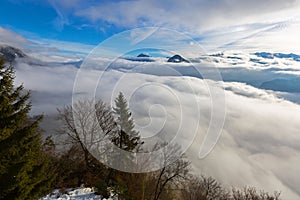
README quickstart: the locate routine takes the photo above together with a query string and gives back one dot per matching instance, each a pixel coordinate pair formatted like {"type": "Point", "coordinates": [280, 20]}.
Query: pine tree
{"type": "Point", "coordinates": [23, 168]}
{"type": "Point", "coordinates": [128, 138]}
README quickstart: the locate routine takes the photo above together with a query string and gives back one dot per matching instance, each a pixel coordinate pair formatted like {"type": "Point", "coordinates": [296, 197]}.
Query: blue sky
{"type": "Point", "coordinates": [38, 19]}
{"type": "Point", "coordinates": [215, 24]}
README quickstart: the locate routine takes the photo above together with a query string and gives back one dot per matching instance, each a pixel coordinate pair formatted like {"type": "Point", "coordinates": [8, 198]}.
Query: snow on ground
{"type": "Point", "coordinates": [82, 193]}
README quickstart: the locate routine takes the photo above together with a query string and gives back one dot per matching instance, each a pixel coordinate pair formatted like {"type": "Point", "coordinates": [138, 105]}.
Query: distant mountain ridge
{"type": "Point", "coordinates": [141, 58]}
{"type": "Point", "coordinates": [282, 85]}
{"type": "Point", "coordinates": [284, 66]}
{"type": "Point", "coordinates": [268, 55]}
{"type": "Point", "coordinates": [147, 58]}
{"type": "Point", "coordinates": [11, 53]}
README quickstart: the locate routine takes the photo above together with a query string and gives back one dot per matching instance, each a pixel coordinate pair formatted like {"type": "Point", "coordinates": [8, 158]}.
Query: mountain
{"type": "Point", "coordinates": [11, 53]}
{"type": "Point", "coordinates": [267, 55]}
{"type": "Point", "coordinates": [143, 56]}
{"type": "Point", "coordinates": [177, 59]}
{"type": "Point", "coordinates": [282, 85]}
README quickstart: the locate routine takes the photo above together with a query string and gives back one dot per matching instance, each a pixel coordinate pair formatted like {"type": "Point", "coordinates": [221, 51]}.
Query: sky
{"type": "Point", "coordinates": [43, 19]}
{"type": "Point", "coordinates": [214, 24]}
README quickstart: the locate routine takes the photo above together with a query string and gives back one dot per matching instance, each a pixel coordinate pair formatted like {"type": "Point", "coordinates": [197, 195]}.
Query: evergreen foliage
{"type": "Point", "coordinates": [128, 138]}
{"type": "Point", "coordinates": [24, 166]}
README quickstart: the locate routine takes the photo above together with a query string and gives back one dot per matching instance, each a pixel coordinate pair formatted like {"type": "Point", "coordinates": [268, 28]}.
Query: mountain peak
{"type": "Point", "coordinates": [11, 53]}
{"type": "Point", "coordinates": [143, 55]}
{"type": "Point", "coordinates": [177, 59]}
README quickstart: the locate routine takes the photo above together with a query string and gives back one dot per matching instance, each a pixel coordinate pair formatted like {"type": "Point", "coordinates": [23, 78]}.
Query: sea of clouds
{"type": "Point", "coordinates": [259, 141]}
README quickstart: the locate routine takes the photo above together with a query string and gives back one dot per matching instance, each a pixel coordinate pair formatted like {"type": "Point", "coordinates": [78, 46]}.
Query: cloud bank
{"type": "Point", "coordinates": [259, 142]}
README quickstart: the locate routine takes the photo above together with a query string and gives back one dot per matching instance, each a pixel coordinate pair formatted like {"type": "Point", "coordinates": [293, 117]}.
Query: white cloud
{"type": "Point", "coordinates": [192, 14]}
{"type": "Point", "coordinates": [258, 146]}
{"type": "Point", "coordinates": [281, 36]}
{"type": "Point", "coordinates": [250, 91]}
{"type": "Point", "coordinates": [230, 24]}
{"type": "Point", "coordinates": [270, 25]}
{"type": "Point", "coordinates": [251, 132]}
{"type": "Point", "coordinates": [46, 49]}
{"type": "Point", "coordinates": [8, 37]}
{"type": "Point", "coordinates": [259, 142]}
{"type": "Point", "coordinates": [71, 48]}
{"type": "Point", "coordinates": [51, 86]}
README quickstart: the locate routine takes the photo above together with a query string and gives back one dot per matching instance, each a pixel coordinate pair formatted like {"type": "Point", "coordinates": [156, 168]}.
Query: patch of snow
{"type": "Point", "coordinates": [82, 193]}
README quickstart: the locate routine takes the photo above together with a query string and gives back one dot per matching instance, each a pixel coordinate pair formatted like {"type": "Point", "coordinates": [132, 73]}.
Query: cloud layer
{"type": "Point", "coordinates": [259, 141]}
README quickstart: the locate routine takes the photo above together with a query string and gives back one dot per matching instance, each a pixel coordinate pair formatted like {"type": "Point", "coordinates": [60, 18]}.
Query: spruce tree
{"type": "Point", "coordinates": [128, 138]}
{"type": "Point", "coordinates": [125, 138]}
{"type": "Point", "coordinates": [23, 164]}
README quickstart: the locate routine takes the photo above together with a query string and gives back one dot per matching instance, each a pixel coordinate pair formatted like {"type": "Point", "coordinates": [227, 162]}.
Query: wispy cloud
{"type": "Point", "coordinates": [46, 49]}
{"type": "Point", "coordinates": [218, 23]}
{"type": "Point", "coordinates": [193, 15]}
{"type": "Point", "coordinates": [61, 20]}
{"type": "Point", "coordinates": [9, 37]}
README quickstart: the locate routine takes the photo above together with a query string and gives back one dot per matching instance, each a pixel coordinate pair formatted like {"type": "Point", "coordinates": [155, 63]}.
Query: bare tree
{"type": "Point", "coordinates": [87, 123]}
{"type": "Point", "coordinates": [202, 188]}
{"type": "Point", "coordinates": [174, 171]}
{"type": "Point", "coordinates": [92, 126]}
{"type": "Point", "coordinates": [250, 193]}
